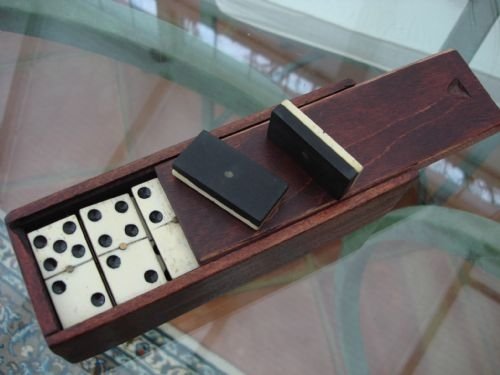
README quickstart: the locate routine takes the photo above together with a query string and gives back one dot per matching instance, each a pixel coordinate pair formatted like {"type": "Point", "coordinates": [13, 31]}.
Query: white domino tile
{"type": "Point", "coordinates": [167, 233]}
{"type": "Point", "coordinates": [174, 249]}
{"type": "Point", "coordinates": [112, 224]}
{"type": "Point", "coordinates": [133, 271]}
{"type": "Point", "coordinates": [78, 295]}
{"type": "Point", "coordinates": [153, 204]}
{"type": "Point", "coordinates": [59, 245]}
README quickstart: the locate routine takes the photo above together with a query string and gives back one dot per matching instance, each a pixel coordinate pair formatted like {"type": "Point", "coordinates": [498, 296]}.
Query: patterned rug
{"type": "Point", "coordinates": [23, 350]}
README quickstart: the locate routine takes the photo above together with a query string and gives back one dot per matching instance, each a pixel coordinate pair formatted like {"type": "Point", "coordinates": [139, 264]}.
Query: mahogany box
{"type": "Point", "coordinates": [393, 125]}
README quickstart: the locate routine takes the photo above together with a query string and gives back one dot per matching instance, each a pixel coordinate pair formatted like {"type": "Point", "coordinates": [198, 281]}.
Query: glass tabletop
{"type": "Point", "coordinates": [87, 86]}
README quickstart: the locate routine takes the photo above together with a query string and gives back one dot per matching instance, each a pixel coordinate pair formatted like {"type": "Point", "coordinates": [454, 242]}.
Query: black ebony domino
{"type": "Point", "coordinates": [323, 158]}
{"type": "Point", "coordinates": [228, 178]}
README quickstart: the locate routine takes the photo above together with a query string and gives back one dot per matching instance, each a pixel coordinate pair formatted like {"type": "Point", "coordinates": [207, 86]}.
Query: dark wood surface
{"type": "Point", "coordinates": [401, 121]}
{"type": "Point", "coordinates": [307, 226]}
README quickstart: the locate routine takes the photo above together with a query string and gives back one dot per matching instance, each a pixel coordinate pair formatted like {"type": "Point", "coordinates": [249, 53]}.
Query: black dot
{"type": "Point", "coordinates": [113, 261]}
{"type": "Point", "coordinates": [60, 246]}
{"type": "Point", "coordinates": [131, 230]}
{"type": "Point", "coordinates": [40, 242]}
{"type": "Point", "coordinates": [94, 215]}
{"type": "Point", "coordinates": [144, 192]}
{"type": "Point", "coordinates": [50, 264]}
{"type": "Point", "coordinates": [121, 206]}
{"type": "Point", "coordinates": [78, 251]}
{"type": "Point", "coordinates": [69, 227]}
{"type": "Point", "coordinates": [151, 276]}
{"type": "Point", "coordinates": [97, 299]}
{"type": "Point", "coordinates": [105, 240]}
{"type": "Point", "coordinates": [59, 287]}
{"type": "Point", "coordinates": [155, 217]}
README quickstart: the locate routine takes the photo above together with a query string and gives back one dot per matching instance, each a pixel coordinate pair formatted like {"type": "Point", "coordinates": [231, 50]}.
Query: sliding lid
{"type": "Point", "coordinates": [399, 122]}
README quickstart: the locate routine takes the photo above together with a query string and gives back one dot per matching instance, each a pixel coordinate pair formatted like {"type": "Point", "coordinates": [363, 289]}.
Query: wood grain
{"type": "Point", "coordinates": [401, 121]}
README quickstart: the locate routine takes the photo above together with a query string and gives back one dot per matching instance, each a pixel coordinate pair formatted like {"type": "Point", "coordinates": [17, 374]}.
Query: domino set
{"type": "Point", "coordinates": [135, 242]}
{"type": "Point", "coordinates": [112, 257]}
{"type": "Point", "coordinates": [111, 252]}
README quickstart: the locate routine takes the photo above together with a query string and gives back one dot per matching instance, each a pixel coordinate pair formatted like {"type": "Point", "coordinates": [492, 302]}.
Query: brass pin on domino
{"type": "Point", "coordinates": [318, 153]}
{"type": "Point", "coordinates": [229, 179]}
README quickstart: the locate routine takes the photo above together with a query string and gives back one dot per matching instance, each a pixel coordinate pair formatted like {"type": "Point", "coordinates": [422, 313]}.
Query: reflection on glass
{"type": "Point", "coordinates": [93, 85]}
{"type": "Point", "coordinates": [417, 291]}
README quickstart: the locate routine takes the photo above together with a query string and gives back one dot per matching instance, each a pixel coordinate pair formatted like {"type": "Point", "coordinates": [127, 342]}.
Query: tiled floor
{"type": "Point", "coordinates": [398, 308]}
{"type": "Point", "coordinates": [272, 325]}
{"type": "Point", "coordinates": [280, 333]}
{"type": "Point", "coordinates": [260, 287]}
{"type": "Point", "coordinates": [468, 338]}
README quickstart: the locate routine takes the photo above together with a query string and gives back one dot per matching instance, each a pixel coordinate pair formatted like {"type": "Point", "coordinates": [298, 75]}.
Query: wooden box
{"type": "Point", "coordinates": [394, 125]}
